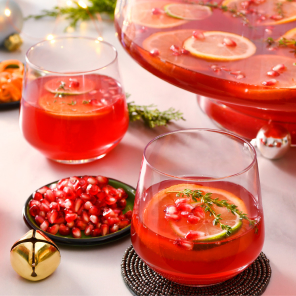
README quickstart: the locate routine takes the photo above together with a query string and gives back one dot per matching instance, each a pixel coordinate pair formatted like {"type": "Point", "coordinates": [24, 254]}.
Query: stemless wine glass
{"type": "Point", "coordinates": [198, 217]}
{"type": "Point", "coordinates": [73, 107]}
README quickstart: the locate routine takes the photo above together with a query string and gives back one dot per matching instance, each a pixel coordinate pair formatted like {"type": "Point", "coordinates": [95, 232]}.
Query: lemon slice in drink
{"type": "Point", "coordinates": [151, 14]}
{"type": "Point", "coordinates": [188, 11]}
{"type": "Point", "coordinates": [220, 46]}
{"type": "Point", "coordinates": [291, 34]}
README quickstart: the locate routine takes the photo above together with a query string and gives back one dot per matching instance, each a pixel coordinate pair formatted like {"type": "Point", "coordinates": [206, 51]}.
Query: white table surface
{"type": "Point", "coordinates": [96, 270]}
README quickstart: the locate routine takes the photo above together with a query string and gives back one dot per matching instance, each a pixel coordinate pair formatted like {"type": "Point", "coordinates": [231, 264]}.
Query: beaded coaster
{"type": "Point", "coordinates": [143, 281]}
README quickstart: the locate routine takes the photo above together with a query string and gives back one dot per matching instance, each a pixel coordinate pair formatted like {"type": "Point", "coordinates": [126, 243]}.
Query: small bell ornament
{"type": "Point", "coordinates": [272, 140]}
{"type": "Point", "coordinates": [35, 256]}
{"type": "Point", "coordinates": [11, 23]}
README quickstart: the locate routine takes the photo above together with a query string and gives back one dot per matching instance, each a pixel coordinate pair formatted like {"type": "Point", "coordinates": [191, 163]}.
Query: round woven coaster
{"type": "Point", "coordinates": [142, 280]}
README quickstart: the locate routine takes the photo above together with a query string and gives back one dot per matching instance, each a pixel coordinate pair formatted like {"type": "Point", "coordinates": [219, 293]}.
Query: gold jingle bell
{"type": "Point", "coordinates": [35, 256]}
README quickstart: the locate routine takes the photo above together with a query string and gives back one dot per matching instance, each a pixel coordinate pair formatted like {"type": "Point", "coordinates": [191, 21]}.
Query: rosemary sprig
{"type": "Point", "coordinates": [207, 201]}
{"type": "Point", "coordinates": [151, 116]}
{"type": "Point", "coordinates": [77, 13]}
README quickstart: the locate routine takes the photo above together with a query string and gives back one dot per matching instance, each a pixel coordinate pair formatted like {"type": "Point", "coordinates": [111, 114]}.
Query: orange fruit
{"type": "Point", "coordinates": [142, 14]}
{"type": "Point", "coordinates": [220, 46]}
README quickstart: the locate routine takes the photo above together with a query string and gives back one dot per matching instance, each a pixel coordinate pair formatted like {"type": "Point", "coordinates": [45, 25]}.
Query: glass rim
{"type": "Point", "coordinates": [32, 65]}
{"type": "Point", "coordinates": [254, 160]}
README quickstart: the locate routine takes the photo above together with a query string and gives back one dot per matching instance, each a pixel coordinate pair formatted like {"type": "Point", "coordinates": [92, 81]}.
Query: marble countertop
{"type": "Point", "coordinates": [96, 270]}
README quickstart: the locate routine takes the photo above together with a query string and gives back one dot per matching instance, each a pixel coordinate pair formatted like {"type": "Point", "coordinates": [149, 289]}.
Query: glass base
{"type": "Point", "coordinates": [246, 121]}
{"type": "Point", "coordinates": [79, 161]}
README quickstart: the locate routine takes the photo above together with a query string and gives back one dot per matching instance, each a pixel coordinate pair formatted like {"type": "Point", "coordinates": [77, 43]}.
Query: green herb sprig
{"type": "Point", "coordinates": [77, 13]}
{"type": "Point", "coordinates": [151, 116]}
{"type": "Point", "coordinates": [207, 202]}
{"type": "Point", "coordinates": [282, 42]}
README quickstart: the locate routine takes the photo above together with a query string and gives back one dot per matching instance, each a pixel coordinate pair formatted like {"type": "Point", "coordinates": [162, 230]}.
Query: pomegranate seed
{"type": "Point", "coordinates": [49, 195]}
{"type": "Point", "coordinates": [102, 180]}
{"type": "Point", "coordinates": [59, 194]}
{"type": "Point", "coordinates": [43, 190]}
{"type": "Point", "coordinates": [123, 223]}
{"type": "Point", "coordinates": [121, 217]}
{"type": "Point", "coordinates": [192, 219]}
{"type": "Point", "coordinates": [95, 232]}
{"type": "Point", "coordinates": [77, 205]}
{"type": "Point", "coordinates": [193, 235]}
{"type": "Point", "coordinates": [88, 229]}
{"type": "Point", "coordinates": [81, 224]}
{"type": "Point", "coordinates": [39, 219]}
{"type": "Point", "coordinates": [60, 219]}
{"type": "Point", "coordinates": [44, 207]}
{"type": "Point", "coordinates": [85, 217]}
{"type": "Point", "coordinates": [174, 48]}
{"type": "Point", "coordinates": [229, 42]}
{"type": "Point", "coordinates": [198, 35]}
{"type": "Point", "coordinates": [185, 207]}
{"type": "Point", "coordinates": [173, 216]}
{"type": "Point", "coordinates": [157, 11]}
{"type": "Point", "coordinates": [225, 69]}
{"type": "Point", "coordinates": [76, 232]}
{"type": "Point", "coordinates": [186, 245]}
{"type": "Point", "coordinates": [117, 212]}
{"type": "Point", "coordinates": [64, 230]}
{"type": "Point", "coordinates": [114, 228]}
{"type": "Point", "coordinates": [270, 82]}
{"type": "Point", "coordinates": [111, 200]}
{"type": "Point", "coordinates": [108, 213]}
{"type": "Point", "coordinates": [54, 206]}
{"type": "Point", "coordinates": [240, 76]}
{"type": "Point", "coordinates": [37, 196]}
{"type": "Point", "coordinates": [71, 224]}
{"type": "Point", "coordinates": [182, 200]}
{"type": "Point", "coordinates": [69, 193]}
{"type": "Point", "coordinates": [109, 190]}
{"type": "Point", "coordinates": [62, 183]}
{"type": "Point", "coordinates": [94, 211]}
{"type": "Point", "coordinates": [276, 17]}
{"type": "Point", "coordinates": [74, 84]}
{"type": "Point", "coordinates": [170, 210]}
{"type": "Point", "coordinates": [198, 212]}
{"type": "Point", "coordinates": [94, 219]}
{"type": "Point", "coordinates": [71, 217]}
{"type": "Point", "coordinates": [88, 205]}
{"type": "Point", "coordinates": [236, 72]}
{"type": "Point", "coordinates": [184, 51]}
{"type": "Point", "coordinates": [129, 215]}
{"type": "Point", "coordinates": [112, 221]}
{"type": "Point", "coordinates": [154, 52]}
{"type": "Point", "coordinates": [52, 217]}
{"type": "Point", "coordinates": [121, 203]}
{"type": "Point", "coordinates": [44, 225]}
{"type": "Point", "coordinates": [104, 229]}
{"type": "Point", "coordinates": [279, 68]}
{"type": "Point", "coordinates": [92, 180]}
{"type": "Point", "coordinates": [53, 229]}
{"type": "Point", "coordinates": [34, 203]}
{"type": "Point", "coordinates": [184, 214]}
{"type": "Point", "coordinates": [69, 204]}
{"type": "Point", "coordinates": [42, 214]}
{"type": "Point", "coordinates": [79, 212]}
{"type": "Point", "coordinates": [273, 73]}
{"type": "Point", "coordinates": [245, 4]}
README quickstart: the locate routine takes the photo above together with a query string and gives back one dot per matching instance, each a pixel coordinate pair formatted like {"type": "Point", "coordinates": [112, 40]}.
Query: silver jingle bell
{"type": "Point", "coordinates": [272, 140]}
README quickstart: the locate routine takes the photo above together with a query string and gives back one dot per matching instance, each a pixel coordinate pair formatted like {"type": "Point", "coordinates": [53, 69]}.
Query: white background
{"type": "Point", "coordinates": [96, 270]}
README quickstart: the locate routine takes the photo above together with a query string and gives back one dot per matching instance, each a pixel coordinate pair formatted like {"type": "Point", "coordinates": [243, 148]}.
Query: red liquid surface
{"type": "Point", "coordinates": [74, 127]}
{"type": "Point", "coordinates": [198, 76]}
{"type": "Point", "coordinates": [208, 262]}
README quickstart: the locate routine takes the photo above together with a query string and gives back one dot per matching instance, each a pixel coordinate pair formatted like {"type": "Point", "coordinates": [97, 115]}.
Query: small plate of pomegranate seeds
{"type": "Point", "coordinates": [81, 211]}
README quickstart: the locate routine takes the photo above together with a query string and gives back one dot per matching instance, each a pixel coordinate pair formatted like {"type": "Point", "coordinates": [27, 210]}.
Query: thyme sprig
{"type": "Point", "coordinates": [152, 116]}
{"type": "Point", "coordinates": [282, 42]}
{"type": "Point", "coordinates": [207, 202]}
{"type": "Point", "coordinates": [279, 8]}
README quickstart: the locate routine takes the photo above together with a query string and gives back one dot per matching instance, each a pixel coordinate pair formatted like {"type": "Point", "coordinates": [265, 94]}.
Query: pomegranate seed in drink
{"type": "Point", "coordinates": [276, 17]}
{"type": "Point", "coordinates": [279, 68]}
{"type": "Point", "coordinates": [240, 76]}
{"type": "Point", "coordinates": [185, 207]}
{"type": "Point", "coordinates": [157, 11]}
{"type": "Point", "coordinates": [198, 212]}
{"type": "Point", "coordinates": [154, 52]}
{"type": "Point", "coordinates": [186, 245]}
{"type": "Point", "coordinates": [174, 48]}
{"type": "Point", "coordinates": [74, 84]}
{"type": "Point", "coordinates": [198, 35]}
{"type": "Point", "coordinates": [273, 73]}
{"type": "Point", "coordinates": [184, 214]}
{"type": "Point", "coordinates": [270, 82]}
{"type": "Point", "coordinates": [53, 229]}
{"type": "Point", "coordinates": [193, 219]}
{"type": "Point", "coordinates": [193, 235]}
{"type": "Point", "coordinates": [76, 232]}
{"type": "Point", "coordinates": [64, 230]}
{"type": "Point", "coordinates": [229, 42]}
{"type": "Point", "coordinates": [181, 200]}
{"type": "Point", "coordinates": [184, 51]}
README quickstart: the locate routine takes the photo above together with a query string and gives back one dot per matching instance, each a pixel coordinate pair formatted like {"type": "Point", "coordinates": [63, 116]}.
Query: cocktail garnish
{"type": "Point", "coordinates": [206, 203]}
{"type": "Point", "coordinates": [283, 42]}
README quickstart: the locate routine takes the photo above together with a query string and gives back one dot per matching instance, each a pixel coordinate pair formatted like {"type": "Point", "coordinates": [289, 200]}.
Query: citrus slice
{"type": "Point", "coordinates": [188, 11]}
{"type": "Point", "coordinates": [291, 34]}
{"type": "Point", "coordinates": [181, 227]}
{"type": "Point", "coordinates": [213, 46]}
{"type": "Point", "coordinates": [151, 14]}
{"type": "Point", "coordinates": [274, 12]}
{"type": "Point", "coordinates": [69, 86]}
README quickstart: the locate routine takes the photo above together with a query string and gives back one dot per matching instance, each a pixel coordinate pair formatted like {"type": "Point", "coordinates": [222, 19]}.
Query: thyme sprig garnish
{"type": "Point", "coordinates": [282, 42]}
{"type": "Point", "coordinates": [152, 116]}
{"type": "Point", "coordinates": [279, 8]}
{"type": "Point", "coordinates": [206, 202]}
